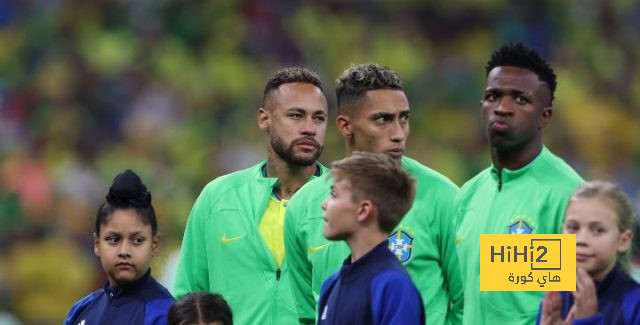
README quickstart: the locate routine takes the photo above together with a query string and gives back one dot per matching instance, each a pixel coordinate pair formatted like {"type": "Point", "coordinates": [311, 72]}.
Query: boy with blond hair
{"type": "Point", "coordinates": [369, 196]}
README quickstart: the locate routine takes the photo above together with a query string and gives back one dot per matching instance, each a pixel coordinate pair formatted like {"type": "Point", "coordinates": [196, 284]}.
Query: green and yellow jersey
{"type": "Point", "coordinates": [224, 249]}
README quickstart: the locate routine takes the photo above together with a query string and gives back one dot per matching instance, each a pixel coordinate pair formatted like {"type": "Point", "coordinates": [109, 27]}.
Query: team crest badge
{"type": "Point", "coordinates": [401, 244]}
{"type": "Point", "coordinates": [521, 225]}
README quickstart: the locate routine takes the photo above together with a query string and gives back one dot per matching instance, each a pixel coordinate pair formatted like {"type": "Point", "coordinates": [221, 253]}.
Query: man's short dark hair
{"type": "Point", "coordinates": [288, 75]}
{"type": "Point", "coordinates": [521, 56]}
{"type": "Point", "coordinates": [354, 83]}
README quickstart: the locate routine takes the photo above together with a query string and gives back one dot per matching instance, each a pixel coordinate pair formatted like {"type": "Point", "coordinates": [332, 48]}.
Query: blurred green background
{"type": "Point", "coordinates": [170, 89]}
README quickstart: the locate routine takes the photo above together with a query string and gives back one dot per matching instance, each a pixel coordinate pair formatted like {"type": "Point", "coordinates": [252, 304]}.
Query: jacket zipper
{"type": "Point", "coordinates": [275, 298]}
{"type": "Point", "coordinates": [108, 309]}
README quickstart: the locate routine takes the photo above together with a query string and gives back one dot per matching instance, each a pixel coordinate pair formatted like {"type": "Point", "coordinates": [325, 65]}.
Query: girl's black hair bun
{"type": "Point", "coordinates": [127, 190]}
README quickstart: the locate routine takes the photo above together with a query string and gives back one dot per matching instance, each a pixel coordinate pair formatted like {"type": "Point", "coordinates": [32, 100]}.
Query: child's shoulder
{"type": "Point", "coordinates": [157, 301]}
{"type": "Point", "coordinates": [88, 298]}
{"type": "Point", "coordinates": [331, 279]}
{"type": "Point", "coordinates": [395, 284]}
{"type": "Point", "coordinates": [630, 306]}
{"type": "Point", "coordinates": [156, 291]}
{"type": "Point", "coordinates": [390, 273]}
{"type": "Point", "coordinates": [81, 305]}
{"type": "Point", "coordinates": [392, 277]}
{"type": "Point", "coordinates": [622, 283]}
{"type": "Point", "coordinates": [632, 289]}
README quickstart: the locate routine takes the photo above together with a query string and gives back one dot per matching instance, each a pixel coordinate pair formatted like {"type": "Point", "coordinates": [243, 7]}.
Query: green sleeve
{"type": "Point", "coordinates": [192, 272]}
{"type": "Point", "coordinates": [297, 262]}
{"type": "Point", "coordinates": [451, 266]}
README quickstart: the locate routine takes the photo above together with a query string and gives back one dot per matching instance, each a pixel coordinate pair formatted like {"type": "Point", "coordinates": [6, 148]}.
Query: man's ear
{"type": "Point", "coordinates": [96, 244]}
{"type": "Point", "coordinates": [545, 117]}
{"type": "Point", "coordinates": [343, 123]}
{"type": "Point", "coordinates": [264, 119]}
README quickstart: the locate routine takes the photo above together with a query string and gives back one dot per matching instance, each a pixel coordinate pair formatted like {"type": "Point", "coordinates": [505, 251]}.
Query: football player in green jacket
{"type": "Point", "coordinates": [233, 242]}
{"type": "Point", "coordinates": [373, 116]}
{"type": "Point", "coordinates": [526, 189]}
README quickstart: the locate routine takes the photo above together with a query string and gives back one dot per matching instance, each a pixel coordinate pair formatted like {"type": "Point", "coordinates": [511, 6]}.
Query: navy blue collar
{"type": "Point", "coordinates": [114, 292]}
{"type": "Point", "coordinates": [616, 280]}
{"type": "Point", "coordinates": [353, 270]}
{"type": "Point", "coordinates": [608, 279]}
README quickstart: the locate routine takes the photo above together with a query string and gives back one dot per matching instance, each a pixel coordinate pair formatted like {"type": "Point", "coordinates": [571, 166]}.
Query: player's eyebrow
{"type": "Point", "coordinates": [295, 109]}
{"type": "Point", "coordinates": [304, 111]}
{"type": "Point", "coordinates": [378, 115]}
{"type": "Point", "coordinates": [508, 91]}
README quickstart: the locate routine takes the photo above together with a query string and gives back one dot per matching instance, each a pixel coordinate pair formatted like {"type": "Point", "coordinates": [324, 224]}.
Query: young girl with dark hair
{"type": "Point", "coordinates": [125, 239]}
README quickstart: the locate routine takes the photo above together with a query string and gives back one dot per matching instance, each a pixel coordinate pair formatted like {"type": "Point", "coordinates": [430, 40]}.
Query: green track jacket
{"type": "Point", "coordinates": [530, 200]}
{"type": "Point", "coordinates": [424, 242]}
{"type": "Point", "coordinates": [223, 250]}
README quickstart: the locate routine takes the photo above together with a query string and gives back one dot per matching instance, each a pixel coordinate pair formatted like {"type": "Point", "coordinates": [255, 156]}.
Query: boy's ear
{"type": "Point", "coordinates": [366, 210]}
{"type": "Point", "coordinates": [155, 242]}
{"type": "Point", "coordinates": [96, 244]}
{"type": "Point", "coordinates": [624, 241]}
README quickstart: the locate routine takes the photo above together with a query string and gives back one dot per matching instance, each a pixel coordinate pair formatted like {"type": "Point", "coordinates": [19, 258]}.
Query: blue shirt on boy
{"type": "Point", "coordinates": [375, 289]}
{"type": "Point", "coordinates": [618, 301]}
{"type": "Point", "coordinates": [143, 301]}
